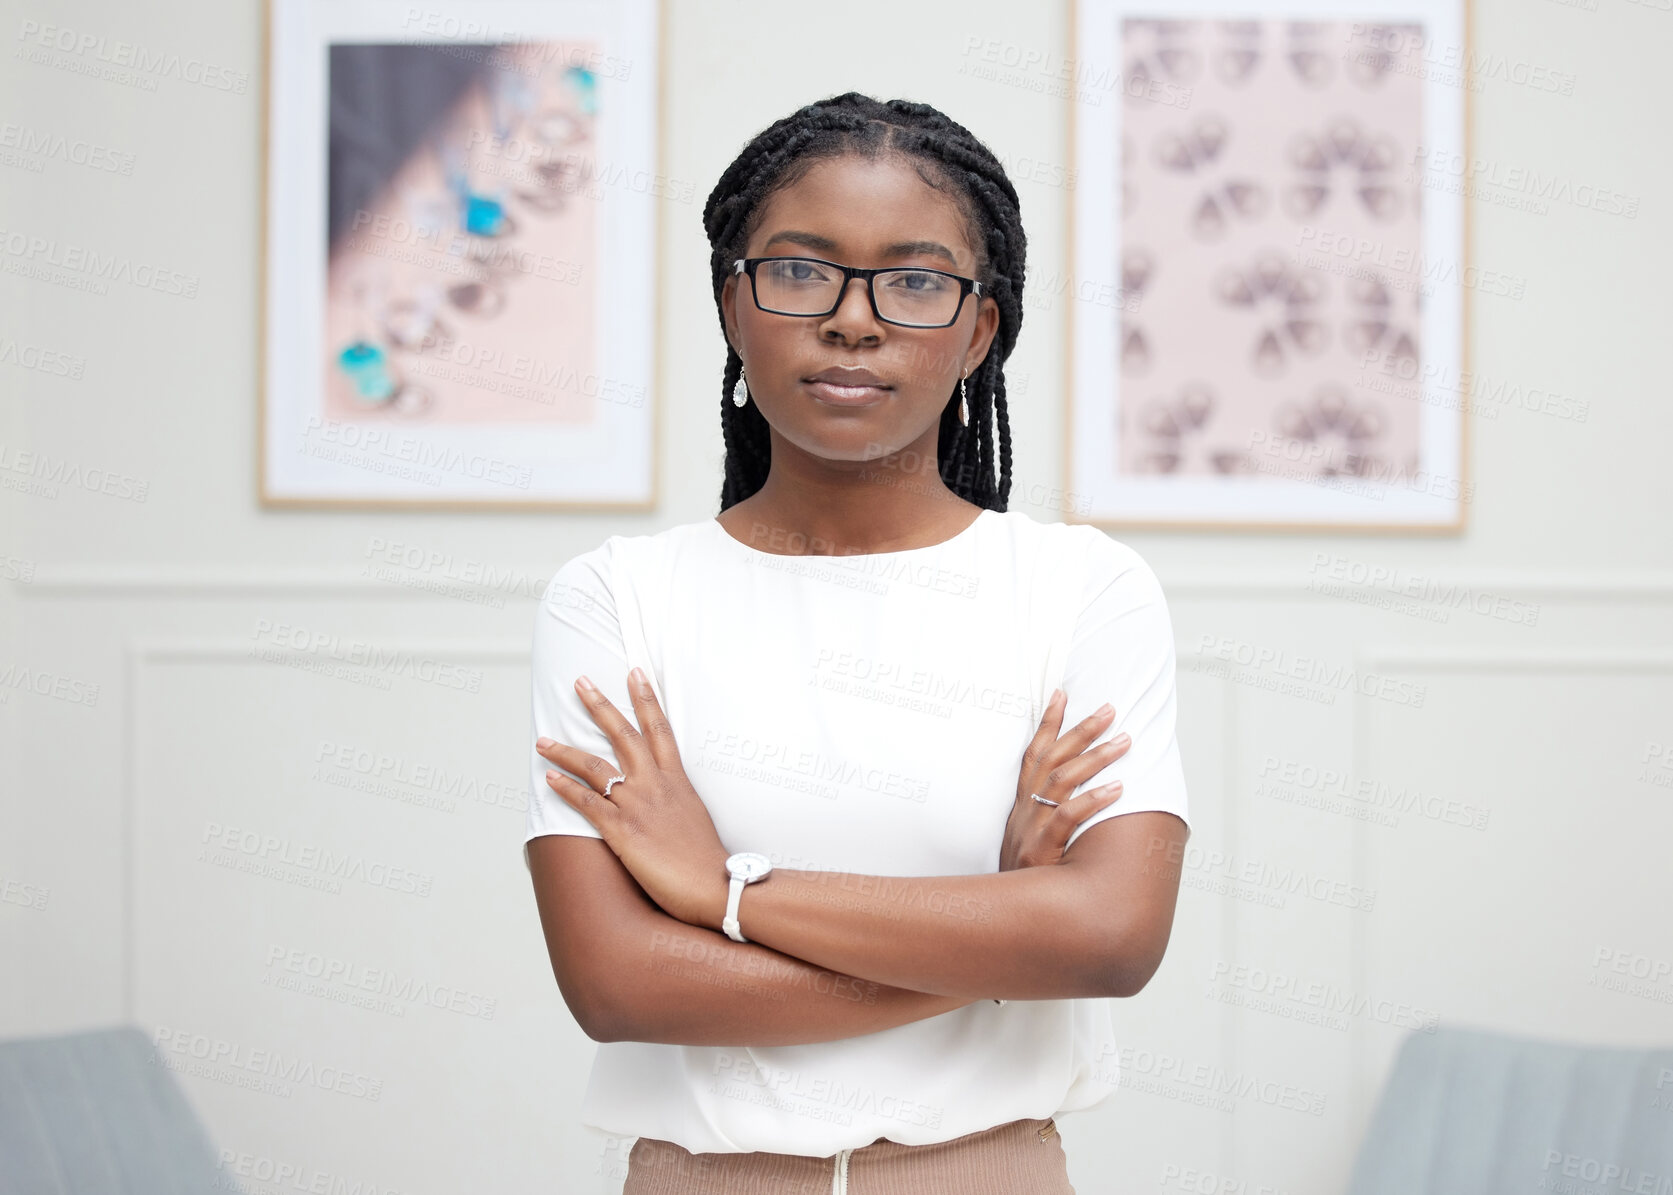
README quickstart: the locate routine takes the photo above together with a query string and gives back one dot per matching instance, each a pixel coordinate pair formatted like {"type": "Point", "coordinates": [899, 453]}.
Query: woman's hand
{"type": "Point", "coordinates": [1036, 834]}
{"type": "Point", "coordinates": [654, 820]}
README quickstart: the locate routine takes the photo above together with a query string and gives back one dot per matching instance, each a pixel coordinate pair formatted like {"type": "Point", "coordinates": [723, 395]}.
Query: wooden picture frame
{"type": "Point", "coordinates": [1270, 325]}
{"type": "Point", "coordinates": [460, 258]}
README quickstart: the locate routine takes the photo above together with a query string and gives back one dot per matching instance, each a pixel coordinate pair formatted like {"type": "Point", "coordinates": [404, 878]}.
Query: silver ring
{"type": "Point", "coordinates": [614, 780]}
{"type": "Point", "coordinates": [1042, 800]}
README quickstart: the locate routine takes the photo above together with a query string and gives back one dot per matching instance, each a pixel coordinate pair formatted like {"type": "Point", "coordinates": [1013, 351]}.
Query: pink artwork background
{"type": "Point", "coordinates": [1242, 314]}
{"type": "Point", "coordinates": [499, 329]}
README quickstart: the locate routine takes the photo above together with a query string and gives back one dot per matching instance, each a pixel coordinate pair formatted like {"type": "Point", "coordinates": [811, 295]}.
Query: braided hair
{"type": "Point", "coordinates": [853, 123]}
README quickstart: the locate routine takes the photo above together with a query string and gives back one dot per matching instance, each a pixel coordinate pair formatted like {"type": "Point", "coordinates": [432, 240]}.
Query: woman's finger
{"type": "Point", "coordinates": [1067, 747]}
{"type": "Point", "coordinates": [1046, 750]}
{"type": "Point", "coordinates": [1040, 744]}
{"type": "Point", "coordinates": [652, 721]}
{"type": "Point", "coordinates": [1077, 809]}
{"type": "Point", "coordinates": [582, 763]}
{"type": "Point", "coordinates": [624, 736]}
{"type": "Point", "coordinates": [1067, 816]}
{"type": "Point", "coordinates": [588, 802]}
{"type": "Point", "coordinates": [1059, 782]}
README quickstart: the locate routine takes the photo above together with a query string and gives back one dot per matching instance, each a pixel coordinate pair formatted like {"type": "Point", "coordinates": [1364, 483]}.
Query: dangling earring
{"type": "Point", "coordinates": [740, 392]}
{"type": "Point", "coordinates": [963, 405]}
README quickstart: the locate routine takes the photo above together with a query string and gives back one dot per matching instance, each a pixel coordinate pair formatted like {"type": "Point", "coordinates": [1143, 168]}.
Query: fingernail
{"type": "Point", "coordinates": [584, 683]}
{"type": "Point", "coordinates": [1123, 739]}
{"type": "Point", "coordinates": [637, 676]}
{"type": "Point", "coordinates": [543, 742]}
{"type": "Point", "coordinates": [1106, 708]}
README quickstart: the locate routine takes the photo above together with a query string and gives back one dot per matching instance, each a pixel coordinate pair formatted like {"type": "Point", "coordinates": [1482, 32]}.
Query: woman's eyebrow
{"type": "Point", "coordinates": [812, 240]}
{"type": "Point", "coordinates": [912, 248]}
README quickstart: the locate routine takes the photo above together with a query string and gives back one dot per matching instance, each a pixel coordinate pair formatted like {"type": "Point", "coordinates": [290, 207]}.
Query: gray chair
{"type": "Point", "coordinates": [1469, 1112]}
{"type": "Point", "coordinates": [97, 1113]}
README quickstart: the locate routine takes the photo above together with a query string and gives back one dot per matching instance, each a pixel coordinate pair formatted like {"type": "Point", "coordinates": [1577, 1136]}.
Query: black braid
{"type": "Point", "coordinates": [858, 124]}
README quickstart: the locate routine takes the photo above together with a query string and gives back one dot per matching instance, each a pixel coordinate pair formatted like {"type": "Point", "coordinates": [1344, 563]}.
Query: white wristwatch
{"type": "Point", "coordinates": [745, 867]}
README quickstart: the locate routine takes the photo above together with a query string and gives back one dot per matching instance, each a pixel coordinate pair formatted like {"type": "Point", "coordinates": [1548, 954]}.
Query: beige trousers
{"type": "Point", "coordinates": [1018, 1157]}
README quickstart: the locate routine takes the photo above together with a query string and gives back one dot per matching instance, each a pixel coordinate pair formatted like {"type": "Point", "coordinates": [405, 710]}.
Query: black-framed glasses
{"type": "Point", "coordinates": [911, 297]}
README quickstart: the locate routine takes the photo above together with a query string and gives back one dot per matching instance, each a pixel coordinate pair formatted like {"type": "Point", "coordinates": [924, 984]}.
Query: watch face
{"type": "Point", "coordinates": [748, 865]}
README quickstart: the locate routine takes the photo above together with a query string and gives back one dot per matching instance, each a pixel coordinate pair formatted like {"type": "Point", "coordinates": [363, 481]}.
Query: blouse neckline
{"type": "Point", "coordinates": [969, 531]}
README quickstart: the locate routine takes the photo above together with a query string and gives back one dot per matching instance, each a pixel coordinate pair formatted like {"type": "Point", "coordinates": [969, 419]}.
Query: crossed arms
{"type": "Point", "coordinates": [871, 952]}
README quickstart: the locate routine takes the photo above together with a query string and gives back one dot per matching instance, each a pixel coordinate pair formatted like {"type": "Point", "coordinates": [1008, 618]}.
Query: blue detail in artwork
{"type": "Point", "coordinates": [484, 216]}
{"type": "Point", "coordinates": [587, 84]}
{"type": "Point", "coordinates": [368, 367]}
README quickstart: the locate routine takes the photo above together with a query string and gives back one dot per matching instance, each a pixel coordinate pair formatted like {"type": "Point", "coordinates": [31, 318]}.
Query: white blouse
{"type": "Point", "coordinates": [862, 714]}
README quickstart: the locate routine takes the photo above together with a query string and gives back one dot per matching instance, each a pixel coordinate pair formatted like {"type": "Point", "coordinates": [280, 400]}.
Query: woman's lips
{"type": "Point", "coordinates": [847, 396]}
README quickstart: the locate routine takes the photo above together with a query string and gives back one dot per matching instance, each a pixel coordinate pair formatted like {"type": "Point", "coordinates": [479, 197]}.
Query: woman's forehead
{"type": "Point", "coordinates": [864, 207]}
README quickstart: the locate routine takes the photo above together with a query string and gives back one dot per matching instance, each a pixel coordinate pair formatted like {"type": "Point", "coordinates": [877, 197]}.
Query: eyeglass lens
{"type": "Point", "coordinates": [802, 286]}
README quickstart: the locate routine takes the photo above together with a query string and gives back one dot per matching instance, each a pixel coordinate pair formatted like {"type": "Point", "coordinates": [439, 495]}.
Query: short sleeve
{"type": "Point", "coordinates": [1122, 651]}
{"type": "Point", "coordinates": [576, 632]}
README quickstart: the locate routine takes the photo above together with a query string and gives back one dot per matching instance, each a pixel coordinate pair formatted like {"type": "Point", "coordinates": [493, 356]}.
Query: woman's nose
{"type": "Point", "coordinates": [853, 318]}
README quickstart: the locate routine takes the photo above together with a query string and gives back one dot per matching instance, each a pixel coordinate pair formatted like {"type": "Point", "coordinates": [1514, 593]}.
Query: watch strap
{"type": "Point", "coordinates": [730, 923]}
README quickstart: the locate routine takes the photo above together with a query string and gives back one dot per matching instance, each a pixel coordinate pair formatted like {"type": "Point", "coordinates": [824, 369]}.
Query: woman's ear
{"type": "Point", "coordinates": [728, 300]}
{"type": "Point", "coordinates": [987, 324]}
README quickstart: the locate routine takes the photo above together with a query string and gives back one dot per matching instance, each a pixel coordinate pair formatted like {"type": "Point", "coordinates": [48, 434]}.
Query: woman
{"type": "Point", "coordinates": [859, 670]}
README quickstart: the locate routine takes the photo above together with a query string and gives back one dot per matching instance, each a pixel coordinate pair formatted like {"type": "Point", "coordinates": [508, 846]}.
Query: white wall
{"type": "Point", "coordinates": [1543, 727]}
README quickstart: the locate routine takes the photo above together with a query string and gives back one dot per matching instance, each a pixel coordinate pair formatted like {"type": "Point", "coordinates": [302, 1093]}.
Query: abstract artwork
{"type": "Point", "coordinates": [1288, 288]}
{"type": "Point", "coordinates": [460, 254]}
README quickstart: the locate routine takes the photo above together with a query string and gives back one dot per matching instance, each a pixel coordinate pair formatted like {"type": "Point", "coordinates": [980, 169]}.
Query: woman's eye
{"type": "Point", "coordinates": [797, 271]}
{"type": "Point", "coordinates": [920, 281]}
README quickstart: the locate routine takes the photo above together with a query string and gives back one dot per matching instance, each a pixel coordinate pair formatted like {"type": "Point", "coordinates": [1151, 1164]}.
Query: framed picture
{"type": "Point", "coordinates": [1271, 264]}
{"type": "Point", "coordinates": [459, 287]}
